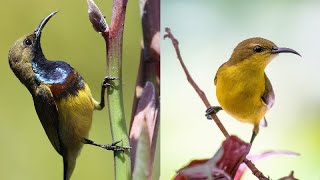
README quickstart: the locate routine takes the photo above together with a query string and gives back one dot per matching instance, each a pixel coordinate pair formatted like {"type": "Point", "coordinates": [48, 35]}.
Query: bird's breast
{"type": "Point", "coordinates": [71, 86]}
{"type": "Point", "coordinates": [75, 117]}
{"type": "Point", "coordinates": [239, 94]}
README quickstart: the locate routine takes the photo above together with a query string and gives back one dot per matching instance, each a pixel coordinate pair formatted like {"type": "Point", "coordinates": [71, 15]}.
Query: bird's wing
{"type": "Point", "coordinates": [268, 95]}
{"type": "Point", "coordinates": [48, 114]}
{"type": "Point", "coordinates": [215, 78]}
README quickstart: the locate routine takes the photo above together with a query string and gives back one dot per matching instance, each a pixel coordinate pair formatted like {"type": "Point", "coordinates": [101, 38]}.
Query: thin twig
{"type": "Point", "coordinates": [203, 96]}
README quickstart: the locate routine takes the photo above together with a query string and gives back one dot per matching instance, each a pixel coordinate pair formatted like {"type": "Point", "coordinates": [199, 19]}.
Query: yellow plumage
{"type": "Point", "coordinates": [75, 116]}
{"type": "Point", "coordinates": [239, 92]}
{"type": "Point", "coordinates": [75, 119]}
{"type": "Point", "coordinates": [242, 88]}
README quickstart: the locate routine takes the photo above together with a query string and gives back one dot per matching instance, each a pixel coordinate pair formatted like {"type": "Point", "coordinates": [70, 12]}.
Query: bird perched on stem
{"type": "Point", "coordinates": [61, 97]}
{"type": "Point", "coordinates": [242, 87]}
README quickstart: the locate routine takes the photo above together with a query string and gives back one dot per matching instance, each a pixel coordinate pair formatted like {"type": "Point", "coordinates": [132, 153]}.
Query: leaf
{"type": "Point", "coordinates": [98, 21]}
{"type": "Point", "coordinates": [223, 165]}
{"type": "Point", "coordinates": [146, 113]}
{"type": "Point", "coordinates": [142, 170]}
{"type": "Point", "coordinates": [234, 152]}
{"type": "Point", "coordinates": [266, 154]}
{"type": "Point", "coordinates": [182, 176]}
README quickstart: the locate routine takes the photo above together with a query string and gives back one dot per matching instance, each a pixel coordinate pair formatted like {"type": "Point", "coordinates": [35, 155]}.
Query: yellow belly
{"type": "Point", "coordinates": [75, 118]}
{"type": "Point", "coordinates": [239, 94]}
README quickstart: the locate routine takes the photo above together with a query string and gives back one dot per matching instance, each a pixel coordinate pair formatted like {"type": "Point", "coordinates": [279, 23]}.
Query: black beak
{"type": "Point", "coordinates": [44, 21]}
{"type": "Point", "coordinates": [277, 50]}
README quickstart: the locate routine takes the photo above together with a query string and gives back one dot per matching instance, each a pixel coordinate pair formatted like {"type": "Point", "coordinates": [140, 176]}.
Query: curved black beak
{"type": "Point", "coordinates": [277, 50]}
{"type": "Point", "coordinates": [44, 21]}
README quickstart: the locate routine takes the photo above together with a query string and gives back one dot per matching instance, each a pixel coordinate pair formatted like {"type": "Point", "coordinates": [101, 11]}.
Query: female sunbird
{"type": "Point", "coordinates": [62, 99]}
{"type": "Point", "coordinates": [242, 87]}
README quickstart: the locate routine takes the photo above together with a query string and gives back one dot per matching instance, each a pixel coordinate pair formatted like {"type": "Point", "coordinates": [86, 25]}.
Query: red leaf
{"type": "Point", "coordinates": [234, 152]}
{"type": "Point", "coordinates": [180, 176]}
{"type": "Point", "coordinates": [223, 165]}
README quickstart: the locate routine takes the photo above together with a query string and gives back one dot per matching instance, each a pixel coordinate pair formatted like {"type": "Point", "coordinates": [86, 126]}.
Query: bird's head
{"type": "Point", "coordinates": [257, 52]}
{"type": "Point", "coordinates": [25, 49]}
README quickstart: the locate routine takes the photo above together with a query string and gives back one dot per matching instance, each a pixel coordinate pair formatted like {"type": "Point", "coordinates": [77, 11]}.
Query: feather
{"type": "Point", "coordinates": [48, 114]}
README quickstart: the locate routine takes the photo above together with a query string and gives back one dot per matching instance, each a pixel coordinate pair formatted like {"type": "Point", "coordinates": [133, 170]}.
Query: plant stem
{"type": "Point", "coordinates": [149, 71]}
{"type": "Point", "coordinates": [118, 127]}
{"type": "Point", "coordinates": [113, 38]}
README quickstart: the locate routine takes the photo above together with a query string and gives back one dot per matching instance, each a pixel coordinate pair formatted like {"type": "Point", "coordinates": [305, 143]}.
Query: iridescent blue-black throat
{"type": "Point", "coordinates": [61, 77]}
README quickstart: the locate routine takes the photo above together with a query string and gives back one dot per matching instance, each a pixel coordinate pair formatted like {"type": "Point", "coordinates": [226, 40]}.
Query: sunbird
{"type": "Point", "coordinates": [242, 87]}
{"type": "Point", "coordinates": [61, 97]}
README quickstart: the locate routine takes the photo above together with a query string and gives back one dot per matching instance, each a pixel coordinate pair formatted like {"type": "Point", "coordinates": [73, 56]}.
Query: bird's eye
{"type": "Point", "coordinates": [27, 42]}
{"type": "Point", "coordinates": [258, 49]}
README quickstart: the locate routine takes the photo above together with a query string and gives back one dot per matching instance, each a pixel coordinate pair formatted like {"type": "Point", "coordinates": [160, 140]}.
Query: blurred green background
{"type": "Point", "coordinates": [208, 31]}
{"type": "Point", "coordinates": [26, 152]}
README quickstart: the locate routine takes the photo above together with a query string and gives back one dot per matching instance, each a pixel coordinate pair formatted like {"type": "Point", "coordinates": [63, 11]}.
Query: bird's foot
{"type": "Point", "coordinates": [212, 110]}
{"type": "Point", "coordinates": [112, 146]}
{"type": "Point", "coordinates": [106, 81]}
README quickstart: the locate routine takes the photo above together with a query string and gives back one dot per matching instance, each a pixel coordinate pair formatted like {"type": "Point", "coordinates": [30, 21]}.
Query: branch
{"type": "Point", "coordinates": [203, 97]}
{"type": "Point", "coordinates": [201, 94]}
{"type": "Point", "coordinates": [113, 39]}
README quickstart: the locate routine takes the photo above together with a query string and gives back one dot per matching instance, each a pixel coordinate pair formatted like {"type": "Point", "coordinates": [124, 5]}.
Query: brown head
{"type": "Point", "coordinates": [257, 50]}
{"type": "Point", "coordinates": [24, 50]}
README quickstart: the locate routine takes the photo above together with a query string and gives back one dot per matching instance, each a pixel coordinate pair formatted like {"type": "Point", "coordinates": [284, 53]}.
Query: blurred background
{"type": "Point", "coordinates": [208, 31]}
{"type": "Point", "coordinates": [26, 152]}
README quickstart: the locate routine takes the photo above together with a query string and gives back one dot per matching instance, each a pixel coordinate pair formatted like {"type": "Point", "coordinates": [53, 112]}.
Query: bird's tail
{"type": "Point", "coordinates": [69, 162]}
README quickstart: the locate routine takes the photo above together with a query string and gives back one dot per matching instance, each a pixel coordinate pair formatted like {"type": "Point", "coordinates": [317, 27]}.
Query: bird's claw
{"type": "Point", "coordinates": [106, 81]}
{"type": "Point", "coordinates": [114, 146]}
{"type": "Point", "coordinates": [212, 110]}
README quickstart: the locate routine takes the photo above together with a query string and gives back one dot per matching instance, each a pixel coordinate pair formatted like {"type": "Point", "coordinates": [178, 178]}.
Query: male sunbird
{"type": "Point", "coordinates": [61, 97]}
{"type": "Point", "coordinates": [242, 87]}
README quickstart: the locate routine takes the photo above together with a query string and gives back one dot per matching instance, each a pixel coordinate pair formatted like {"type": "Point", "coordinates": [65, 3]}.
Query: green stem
{"type": "Point", "coordinates": [113, 41]}
{"type": "Point", "coordinates": [116, 114]}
